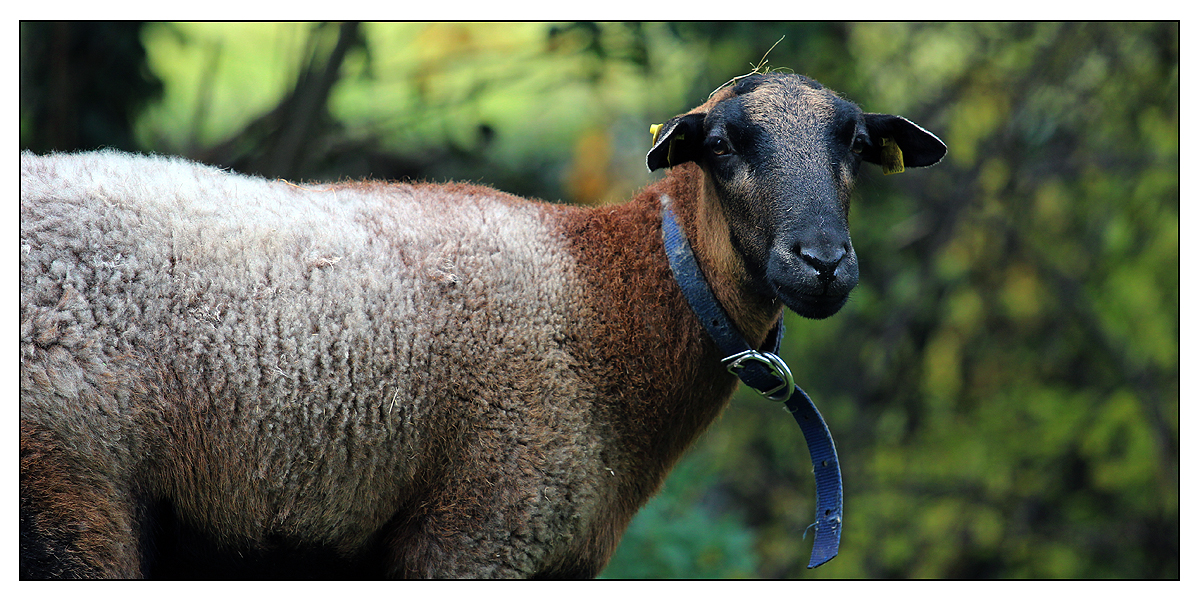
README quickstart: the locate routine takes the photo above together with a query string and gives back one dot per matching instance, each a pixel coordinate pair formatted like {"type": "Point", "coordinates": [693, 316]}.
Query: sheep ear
{"type": "Point", "coordinates": [897, 142]}
{"type": "Point", "coordinates": [677, 141]}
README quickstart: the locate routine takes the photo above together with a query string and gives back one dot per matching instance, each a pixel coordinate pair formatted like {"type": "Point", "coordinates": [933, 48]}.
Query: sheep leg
{"type": "Point", "coordinates": [446, 535]}
{"type": "Point", "coordinates": [74, 523]}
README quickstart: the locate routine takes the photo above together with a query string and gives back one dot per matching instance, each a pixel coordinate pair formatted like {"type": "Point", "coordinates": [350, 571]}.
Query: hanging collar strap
{"type": "Point", "coordinates": [767, 374]}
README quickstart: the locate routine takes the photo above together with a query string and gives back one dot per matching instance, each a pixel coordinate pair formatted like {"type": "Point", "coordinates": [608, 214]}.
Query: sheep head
{"type": "Point", "coordinates": [780, 153]}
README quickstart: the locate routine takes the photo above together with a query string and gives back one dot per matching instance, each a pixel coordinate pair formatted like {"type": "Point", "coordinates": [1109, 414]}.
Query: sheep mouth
{"type": "Point", "coordinates": [812, 306]}
{"type": "Point", "coordinates": [807, 292]}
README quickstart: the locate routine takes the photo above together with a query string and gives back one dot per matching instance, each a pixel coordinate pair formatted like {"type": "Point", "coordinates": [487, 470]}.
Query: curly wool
{"type": "Point", "coordinates": [345, 312]}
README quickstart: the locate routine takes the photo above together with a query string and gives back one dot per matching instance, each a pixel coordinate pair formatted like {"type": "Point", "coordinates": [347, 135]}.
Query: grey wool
{"type": "Point", "coordinates": [277, 309]}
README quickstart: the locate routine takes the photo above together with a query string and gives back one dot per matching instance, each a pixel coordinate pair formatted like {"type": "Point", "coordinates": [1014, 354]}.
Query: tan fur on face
{"type": "Point", "coordinates": [725, 268]}
{"type": "Point", "coordinates": [794, 106]}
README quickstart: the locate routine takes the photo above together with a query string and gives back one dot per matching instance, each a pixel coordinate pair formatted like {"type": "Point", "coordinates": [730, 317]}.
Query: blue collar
{"type": "Point", "coordinates": [767, 374]}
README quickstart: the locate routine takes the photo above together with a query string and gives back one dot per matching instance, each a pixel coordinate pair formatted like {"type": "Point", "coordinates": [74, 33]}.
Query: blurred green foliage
{"type": "Point", "coordinates": [1004, 383]}
{"type": "Point", "coordinates": [688, 531]}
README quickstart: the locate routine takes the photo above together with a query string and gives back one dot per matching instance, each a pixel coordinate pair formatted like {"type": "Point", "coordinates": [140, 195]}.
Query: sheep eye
{"type": "Point", "coordinates": [859, 144]}
{"type": "Point", "coordinates": [720, 147]}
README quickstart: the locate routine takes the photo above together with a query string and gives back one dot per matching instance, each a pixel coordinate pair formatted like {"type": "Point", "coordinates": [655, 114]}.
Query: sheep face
{"type": "Point", "coordinates": [780, 154]}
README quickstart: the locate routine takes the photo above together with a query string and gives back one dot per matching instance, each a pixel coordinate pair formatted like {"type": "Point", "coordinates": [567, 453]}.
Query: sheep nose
{"type": "Point", "coordinates": [824, 259]}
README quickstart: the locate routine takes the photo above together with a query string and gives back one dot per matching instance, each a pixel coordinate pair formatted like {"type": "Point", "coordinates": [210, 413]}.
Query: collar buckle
{"type": "Point", "coordinates": [775, 369]}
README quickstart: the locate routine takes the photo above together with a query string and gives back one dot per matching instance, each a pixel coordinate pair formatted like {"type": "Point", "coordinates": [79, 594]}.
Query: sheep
{"type": "Point", "coordinates": [225, 376]}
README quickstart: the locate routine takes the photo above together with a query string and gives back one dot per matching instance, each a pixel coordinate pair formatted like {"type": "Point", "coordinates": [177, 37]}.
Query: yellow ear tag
{"type": "Point", "coordinates": [654, 129]}
{"type": "Point", "coordinates": [891, 158]}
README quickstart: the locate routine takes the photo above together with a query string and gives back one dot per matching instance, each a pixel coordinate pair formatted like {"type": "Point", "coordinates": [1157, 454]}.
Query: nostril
{"type": "Point", "coordinates": [824, 260]}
